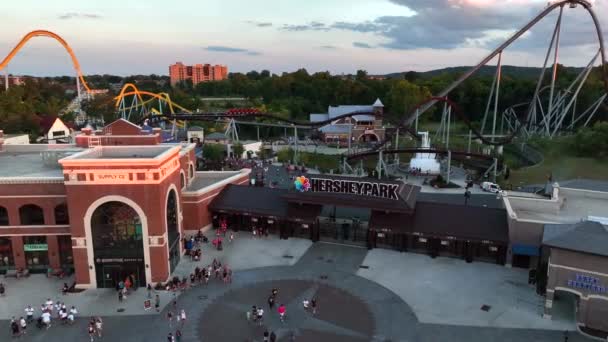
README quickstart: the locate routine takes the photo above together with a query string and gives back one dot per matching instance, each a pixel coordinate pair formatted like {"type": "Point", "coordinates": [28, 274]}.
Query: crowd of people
{"type": "Point", "coordinates": [50, 310]}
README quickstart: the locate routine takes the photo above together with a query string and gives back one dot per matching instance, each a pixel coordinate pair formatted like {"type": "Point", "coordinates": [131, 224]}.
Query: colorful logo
{"type": "Point", "coordinates": [302, 184]}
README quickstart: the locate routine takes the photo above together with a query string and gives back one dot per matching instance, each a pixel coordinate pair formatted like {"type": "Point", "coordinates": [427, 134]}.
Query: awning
{"type": "Point", "coordinates": [250, 200]}
{"type": "Point", "coordinates": [521, 249]}
{"type": "Point", "coordinates": [390, 222]}
{"type": "Point", "coordinates": [303, 212]}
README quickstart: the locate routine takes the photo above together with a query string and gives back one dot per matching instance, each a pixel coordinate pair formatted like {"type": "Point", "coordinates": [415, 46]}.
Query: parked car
{"type": "Point", "coordinates": [490, 187]}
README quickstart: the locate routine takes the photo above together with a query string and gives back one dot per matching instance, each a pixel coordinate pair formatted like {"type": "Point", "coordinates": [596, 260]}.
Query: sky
{"type": "Point", "coordinates": [341, 36]}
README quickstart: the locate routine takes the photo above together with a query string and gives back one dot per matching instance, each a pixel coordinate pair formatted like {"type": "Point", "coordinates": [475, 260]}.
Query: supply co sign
{"type": "Point", "coordinates": [355, 187]}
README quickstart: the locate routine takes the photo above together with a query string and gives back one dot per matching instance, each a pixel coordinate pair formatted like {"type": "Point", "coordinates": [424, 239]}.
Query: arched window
{"type": "Point", "coordinates": [31, 214]}
{"type": "Point", "coordinates": [61, 214]}
{"type": "Point", "coordinates": [182, 180]}
{"type": "Point", "coordinates": [3, 216]}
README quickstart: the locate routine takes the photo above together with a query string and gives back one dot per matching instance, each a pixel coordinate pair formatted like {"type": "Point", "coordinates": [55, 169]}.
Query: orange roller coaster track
{"type": "Point", "coordinates": [43, 33]}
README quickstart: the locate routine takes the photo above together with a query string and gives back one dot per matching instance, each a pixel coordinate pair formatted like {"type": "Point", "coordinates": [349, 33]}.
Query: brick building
{"type": "Point", "coordinates": [197, 73]}
{"type": "Point", "coordinates": [365, 127]}
{"type": "Point", "coordinates": [117, 202]}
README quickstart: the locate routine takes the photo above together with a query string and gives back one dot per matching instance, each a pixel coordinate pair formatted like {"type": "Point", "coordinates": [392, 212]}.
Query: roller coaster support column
{"type": "Point", "coordinates": [78, 88]}
{"type": "Point", "coordinates": [350, 133]}
{"type": "Point", "coordinates": [416, 122]}
{"type": "Point", "coordinates": [380, 162]}
{"type": "Point", "coordinates": [397, 147]}
{"type": "Point", "coordinates": [554, 74]}
{"type": "Point", "coordinates": [6, 78]}
{"type": "Point", "coordinates": [495, 168]}
{"type": "Point", "coordinates": [469, 144]}
{"type": "Point", "coordinates": [295, 140]}
{"type": "Point", "coordinates": [498, 74]}
{"type": "Point", "coordinates": [258, 130]}
{"type": "Point", "coordinates": [449, 167]}
{"type": "Point", "coordinates": [447, 131]}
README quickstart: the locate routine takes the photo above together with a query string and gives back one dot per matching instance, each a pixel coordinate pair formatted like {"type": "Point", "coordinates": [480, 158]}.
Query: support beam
{"type": "Point", "coordinates": [449, 167]}
{"type": "Point", "coordinates": [498, 75]}
{"type": "Point", "coordinates": [554, 73]}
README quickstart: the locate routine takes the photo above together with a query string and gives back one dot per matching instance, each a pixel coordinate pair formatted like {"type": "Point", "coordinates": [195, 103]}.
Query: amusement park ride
{"type": "Point", "coordinates": [549, 111]}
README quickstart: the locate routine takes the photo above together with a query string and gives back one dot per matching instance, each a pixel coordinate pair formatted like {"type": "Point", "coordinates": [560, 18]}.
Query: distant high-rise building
{"type": "Point", "coordinates": [197, 73]}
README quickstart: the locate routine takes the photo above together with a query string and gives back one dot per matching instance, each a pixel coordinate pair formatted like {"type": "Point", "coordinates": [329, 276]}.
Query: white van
{"type": "Point", "coordinates": [490, 187]}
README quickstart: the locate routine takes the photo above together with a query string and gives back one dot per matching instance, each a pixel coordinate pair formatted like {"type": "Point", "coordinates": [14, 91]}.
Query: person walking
{"type": "Point", "coordinates": [271, 302]}
{"type": "Point", "coordinates": [178, 335]}
{"type": "Point", "coordinates": [170, 318]}
{"type": "Point", "coordinates": [313, 306]}
{"type": "Point", "coordinates": [91, 331]}
{"type": "Point", "coordinates": [149, 289]}
{"type": "Point", "coordinates": [266, 335]}
{"type": "Point", "coordinates": [22, 325]}
{"type": "Point", "coordinates": [273, 337]}
{"type": "Point", "coordinates": [29, 313]}
{"type": "Point", "coordinates": [170, 338]}
{"type": "Point", "coordinates": [99, 326]}
{"type": "Point", "coordinates": [282, 310]}
{"type": "Point", "coordinates": [260, 317]}
{"type": "Point", "coordinates": [157, 303]}
{"type": "Point", "coordinates": [182, 315]}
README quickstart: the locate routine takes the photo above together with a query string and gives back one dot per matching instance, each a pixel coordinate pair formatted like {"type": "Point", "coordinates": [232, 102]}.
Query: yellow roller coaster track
{"type": "Point", "coordinates": [129, 89]}
{"type": "Point", "coordinates": [43, 33]}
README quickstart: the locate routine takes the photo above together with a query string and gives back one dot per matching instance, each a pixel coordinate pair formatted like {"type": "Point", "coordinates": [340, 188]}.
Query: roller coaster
{"type": "Point", "coordinates": [538, 116]}
{"type": "Point", "coordinates": [80, 81]}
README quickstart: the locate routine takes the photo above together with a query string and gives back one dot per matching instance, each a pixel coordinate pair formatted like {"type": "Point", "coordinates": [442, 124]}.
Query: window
{"type": "Point", "coordinates": [36, 252]}
{"type": "Point", "coordinates": [3, 216]}
{"type": "Point", "coordinates": [61, 214]}
{"type": "Point", "coordinates": [172, 225]}
{"type": "Point", "coordinates": [116, 227]}
{"type": "Point", "coordinates": [190, 171]}
{"type": "Point", "coordinates": [31, 214]}
{"type": "Point", "coordinates": [6, 253]}
{"type": "Point", "coordinates": [58, 134]}
{"type": "Point", "coordinates": [182, 180]}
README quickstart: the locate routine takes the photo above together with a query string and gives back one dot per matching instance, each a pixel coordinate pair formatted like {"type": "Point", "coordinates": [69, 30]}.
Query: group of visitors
{"type": "Point", "coordinates": [124, 287]}
{"type": "Point", "coordinates": [95, 328]}
{"type": "Point", "coordinates": [180, 318]}
{"type": "Point", "coordinates": [49, 310]}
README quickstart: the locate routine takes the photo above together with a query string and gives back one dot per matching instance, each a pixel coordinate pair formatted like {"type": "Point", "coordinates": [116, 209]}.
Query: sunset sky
{"type": "Point", "coordinates": [381, 36]}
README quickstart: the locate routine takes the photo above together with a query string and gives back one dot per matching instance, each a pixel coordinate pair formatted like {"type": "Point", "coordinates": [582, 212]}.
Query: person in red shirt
{"type": "Point", "coordinates": [282, 311]}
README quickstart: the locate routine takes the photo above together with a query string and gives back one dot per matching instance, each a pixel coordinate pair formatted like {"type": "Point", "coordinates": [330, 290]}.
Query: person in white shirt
{"type": "Point", "coordinates": [64, 316]}
{"type": "Point", "coordinates": [49, 304]}
{"type": "Point", "coordinates": [29, 313]}
{"type": "Point", "coordinates": [46, 319]}
{"type": "Point", "coordinates": [23, 325]}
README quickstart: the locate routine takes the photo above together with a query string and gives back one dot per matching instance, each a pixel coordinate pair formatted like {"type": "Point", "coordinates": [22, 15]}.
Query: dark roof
{"type": "Point", "coordinates": [396, 222]}
{"type": "Point", "coordinates": [303, 212]}
{"type": "Point", "coordinates": [587, 237]}
{"type": "Point", "coordinates": [476, 200]}
{"type": "Point", "coordinates": [462, 222]}
{"type": "Point", "coordinates": [252, 200]}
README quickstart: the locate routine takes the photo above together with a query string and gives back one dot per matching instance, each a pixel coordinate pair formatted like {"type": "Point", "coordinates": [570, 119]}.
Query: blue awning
{"type": "Point", "coordinates": [525, 249]}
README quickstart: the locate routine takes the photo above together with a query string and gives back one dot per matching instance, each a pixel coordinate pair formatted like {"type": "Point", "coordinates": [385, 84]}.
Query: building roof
{"type": "Point", "coordinates": [195, 128]}
{"type": "Point", "coordinates": [463, 222]}
{"type": "Point", "coordinates": [476, 200]}
{"type": "Point", "coordinates": [318, 117]}
{"type": "Point", "coordinates": [252, 200]}
{"type": "Point", "coordinates": [335, 129]}
{"type": "Point", "coordinates": [587, 237]}
{"type": "Point", "coordinates": [204, 179]}
{"type": "Point", "coordinates": [125, 152]}
{"type": "Point", "coordinates": [34, 161]}
{"type": "Point", "coordinates": [343, 110]}
{"type": "Point", "coordinates": [378, 103]}
{"type": "Point", "coordinates": [216, 136]}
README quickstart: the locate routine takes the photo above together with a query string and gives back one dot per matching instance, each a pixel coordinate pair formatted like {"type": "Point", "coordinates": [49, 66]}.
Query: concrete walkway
{"type": "Point", "coordinates": [451, 291]}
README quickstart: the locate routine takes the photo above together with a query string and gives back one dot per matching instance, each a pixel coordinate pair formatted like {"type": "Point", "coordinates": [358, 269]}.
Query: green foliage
{"type": "Point", "coordinates": [213, 152]}
{"type": "Point", "coordinates": [591, 142]}
{"type": "Point", "coordinates": [238, 150]}
{"type": "Point", "coordinates": [403, 96]}
{"type": "Point", "coordinates": [100, 106]}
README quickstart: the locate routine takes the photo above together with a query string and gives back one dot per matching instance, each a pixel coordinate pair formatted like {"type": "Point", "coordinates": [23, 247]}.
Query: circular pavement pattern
{"type": "Point", "coordinates": [340, 317]}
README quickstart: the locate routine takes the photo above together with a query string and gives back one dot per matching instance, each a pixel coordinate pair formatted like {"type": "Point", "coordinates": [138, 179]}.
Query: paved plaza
{"type": "Point", "coordinates": [399, 297]}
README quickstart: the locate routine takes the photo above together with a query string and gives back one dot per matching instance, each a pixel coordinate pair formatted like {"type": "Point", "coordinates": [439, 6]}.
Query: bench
{"type": "Point", "coordinates": [17, 274]}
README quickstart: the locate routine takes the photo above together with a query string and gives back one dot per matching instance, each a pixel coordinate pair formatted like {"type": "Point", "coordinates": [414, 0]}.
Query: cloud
{"type": "Point", "coordinates": [450, 24]}
{"type": "Point", "coordinates": [362, 45]}
{"type": "Point", "coordinates": [311, 26]}
{"type": "Point", "coordinates": [259, 23]}
{"type": "Point", "coordinates": [328, 47]}
{"type": "Point", "coordinates": [228, 49]}
{"type": "Point", "coordinates": [74, 15]}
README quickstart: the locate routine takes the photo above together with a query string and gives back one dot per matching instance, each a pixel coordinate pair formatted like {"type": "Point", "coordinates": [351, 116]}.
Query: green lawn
{"type": "Point", "coordinates": [561, 164]}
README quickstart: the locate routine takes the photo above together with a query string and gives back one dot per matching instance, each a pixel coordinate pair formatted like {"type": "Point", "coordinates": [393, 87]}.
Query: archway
{"type": "Point", "coordinates": [368, 137]}
{"type": "Point", "coordinates": [118, 244]}
{"type": "Point", "coordinates": [172, 219]}
{"type": "Point", "coordinates": [31, 214]}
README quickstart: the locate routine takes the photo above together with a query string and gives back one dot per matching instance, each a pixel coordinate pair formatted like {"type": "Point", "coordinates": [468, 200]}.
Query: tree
{"type": "Point", "coordinates": [403, 97]}
{"type": "Point", "coordinates": [238, 150]}
{"type": "Point", "coordinates": [100, 106]}
{"type": "Point", "coordinates": [213, 152]}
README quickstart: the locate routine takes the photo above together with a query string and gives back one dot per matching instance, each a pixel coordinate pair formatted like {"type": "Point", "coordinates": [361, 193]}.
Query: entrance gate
{"type": "Point", "coordinates": [350, 232]}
